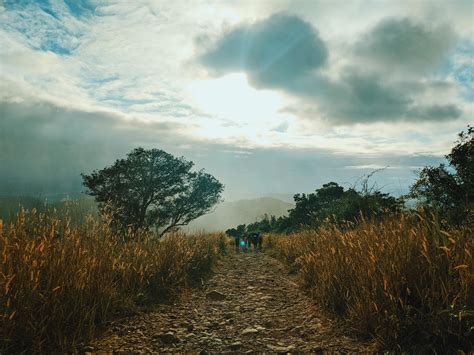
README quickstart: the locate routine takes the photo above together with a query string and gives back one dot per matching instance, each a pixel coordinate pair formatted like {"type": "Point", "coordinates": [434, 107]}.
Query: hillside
{"type": "Point", "coordinates": [231, 214]}
{"type": "Point", "coordinates": [77, 205]}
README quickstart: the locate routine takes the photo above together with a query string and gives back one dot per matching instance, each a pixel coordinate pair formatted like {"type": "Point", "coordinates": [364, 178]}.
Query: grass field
{"type": "Point", "coordinates": [405, 281]}
{"type": "Point", "coordinates": [59, 280]}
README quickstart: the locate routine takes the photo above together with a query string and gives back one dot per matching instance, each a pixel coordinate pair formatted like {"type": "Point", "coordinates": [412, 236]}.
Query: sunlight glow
{"type": "Point", "coordinates": [232, 98]}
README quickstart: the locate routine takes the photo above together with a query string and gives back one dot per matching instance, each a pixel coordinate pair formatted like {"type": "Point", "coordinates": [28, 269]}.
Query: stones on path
{"type": "Point", "coordinates": [235, 346]}
{"type": "Point", "coordinates": [168, 338]}
{"type": "Point", "coordinates": [248, 331]}
{"type": "Point", "coordinates": [215, 296]}
{"type": "Point", "coordinates": [281, 349]}
{"type": "Point", "coordinates": [248, 305]}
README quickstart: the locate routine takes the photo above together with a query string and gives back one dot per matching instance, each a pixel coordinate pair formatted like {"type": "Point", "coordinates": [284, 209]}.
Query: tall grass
{"type": "Point", "coordinates": [59, 280]}
{"type": "Point", "coordinates": [404, 281]}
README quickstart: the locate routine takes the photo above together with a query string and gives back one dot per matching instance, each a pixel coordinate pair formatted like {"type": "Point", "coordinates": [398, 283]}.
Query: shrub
{"type": "Point", "coordinates": [58, 281]}
{"type": "Point", "coordinates": [404, 281]}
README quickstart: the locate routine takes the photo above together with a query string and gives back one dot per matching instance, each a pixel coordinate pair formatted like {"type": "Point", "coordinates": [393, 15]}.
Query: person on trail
{"type": "Point", "coordinates": [255, 241]}
{"type": "Point", "coordinates": [249, 241]}
{"type": "Point", "coordinates": [237, 243]}
{"type": "Point", "coordinates": [238, 237]}
{"type": "Point", "coordinates": [243, 242]}
{"type": "Point", "coordinates": [243, 245]}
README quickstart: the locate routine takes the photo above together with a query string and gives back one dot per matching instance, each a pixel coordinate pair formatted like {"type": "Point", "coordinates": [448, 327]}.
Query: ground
{"type": "Point", "coordinates": [249, 304]}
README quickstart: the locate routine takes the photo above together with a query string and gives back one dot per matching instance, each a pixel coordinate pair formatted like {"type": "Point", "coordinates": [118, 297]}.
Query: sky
{"type": "Point", "coordinates": [271, 97]}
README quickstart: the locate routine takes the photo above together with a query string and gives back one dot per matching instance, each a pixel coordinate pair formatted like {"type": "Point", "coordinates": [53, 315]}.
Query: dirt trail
{"type": "Point", "coordinates": [263, 310]}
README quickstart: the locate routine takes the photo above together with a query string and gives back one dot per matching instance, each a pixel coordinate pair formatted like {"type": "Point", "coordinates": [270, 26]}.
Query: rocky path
{"type": "Point", "coordinates": [249, 304]}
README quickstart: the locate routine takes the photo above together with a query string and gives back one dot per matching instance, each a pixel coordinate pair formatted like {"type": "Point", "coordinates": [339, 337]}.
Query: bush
{"type": "Point", "coordinates": [59, 281]}
{"type": "Point", "coordinates": [404, 281]}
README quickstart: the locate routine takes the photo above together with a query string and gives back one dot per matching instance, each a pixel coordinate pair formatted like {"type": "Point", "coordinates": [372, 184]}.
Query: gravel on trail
{"type": "Point", "coordinates": [249, 304]}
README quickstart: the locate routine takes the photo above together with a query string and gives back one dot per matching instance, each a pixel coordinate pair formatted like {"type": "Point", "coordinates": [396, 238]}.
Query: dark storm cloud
{"type": "Point", "coordinates": [407, 45]}
{"type": "Point", "coordinates": [366, 98]}
{"type": "Point", "coordinates": [274, 51]}
{"type": "Point", "coordinates": [363, 97]}
{"type": "Point", "coordinates": [360, 97]}
{"type": "Point", "coordinates": [435, 112]}
{"type": "Point", "coordinates": [44, 147]}
{"type": "Point", "coordinates": [286, 53]}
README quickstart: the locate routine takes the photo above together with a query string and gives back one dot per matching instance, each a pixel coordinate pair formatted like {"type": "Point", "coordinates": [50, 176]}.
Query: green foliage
{"type": "Point", "coordinates": [450, 189]}
{"type": "Point", "coordinates": [237, 232]}
{"type": "Point", "coordinates": [331, 202]}
{"type": "Point", "coordinates": [153, 189]}
{"type": "Point", "coordinates": [266, 225]}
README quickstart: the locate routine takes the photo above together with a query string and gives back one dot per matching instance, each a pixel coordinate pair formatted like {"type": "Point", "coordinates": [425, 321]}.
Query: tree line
{"type": "Point", "coordinates": [446, 190]}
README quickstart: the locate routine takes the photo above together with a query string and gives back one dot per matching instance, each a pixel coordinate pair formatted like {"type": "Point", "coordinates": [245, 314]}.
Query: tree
{"type": "Point", "coordinates": [232, 232]}
{"type": "Point", "coordinates": [237, 232]}
{"type": "Point", "coordinates": [339, 205]}
{"type": "Point", "coordinates": [153, 189]}
{"type": "Point", "coordinates": [450, 189]}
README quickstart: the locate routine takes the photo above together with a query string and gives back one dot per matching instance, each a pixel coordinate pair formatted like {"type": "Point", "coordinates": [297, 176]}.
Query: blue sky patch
{"type": "Point", "coordinates": [461, 65]}
{"type": "Point", "coordinates": [46, 26]}
{"type": "Point", "coordinates": [80, 8]}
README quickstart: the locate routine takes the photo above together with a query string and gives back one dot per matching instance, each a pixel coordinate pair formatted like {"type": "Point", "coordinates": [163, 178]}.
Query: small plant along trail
{"type": "Point", "coordinates": [249, 304]}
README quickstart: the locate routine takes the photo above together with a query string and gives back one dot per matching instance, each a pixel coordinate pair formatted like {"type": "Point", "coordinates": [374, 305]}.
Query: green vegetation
{"type": "Point", "coordinates": [449, 190]}
{"type": "Point", "coordinates": [329, 203]}
{"type": "Point", "coordinates": [153, 189]}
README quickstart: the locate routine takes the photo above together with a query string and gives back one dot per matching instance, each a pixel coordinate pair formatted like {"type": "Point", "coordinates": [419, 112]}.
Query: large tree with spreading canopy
{"type": "Point", "coordinates": [153, 189]}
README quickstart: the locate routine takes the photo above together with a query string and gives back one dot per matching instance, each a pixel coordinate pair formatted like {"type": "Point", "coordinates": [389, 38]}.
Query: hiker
{"type": "Point", "coordinates": [255, 237]}
{"type": "Point", "coordinates": [238, 236]}
{"type": "Point", "coordinates": [237, 243]}
{"type": "Point", "coordinates": [249, 241]}
{"type": "Point", "coordinates": [243, 245]}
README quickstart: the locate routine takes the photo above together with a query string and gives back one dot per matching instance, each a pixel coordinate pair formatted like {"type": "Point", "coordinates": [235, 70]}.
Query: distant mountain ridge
{"type": "Point", "coordinates": [230, 214]}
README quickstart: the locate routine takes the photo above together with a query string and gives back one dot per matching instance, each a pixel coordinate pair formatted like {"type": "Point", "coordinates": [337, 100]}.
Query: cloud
{"type": "Point", "coordinates": [286, 53]}
{"type": "Point", "coordinates": [370, 167]}
{"type": "Point", "coordinates": [436, 112]}
{"type": "Point", "coordinates": [400, 43]}
{"type": "Point", "coordinates": [44, 147]}
{"type": "Point", "coordinates": [272, 51]}
{"type": "Point", "coordinates": [282, 128]}
{"type": "Point", "coordinates": [360, 97]}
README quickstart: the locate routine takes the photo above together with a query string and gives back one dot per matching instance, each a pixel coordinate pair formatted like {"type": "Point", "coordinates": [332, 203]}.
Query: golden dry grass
{"type": "Point", "coordinates": [59, 281]}
{"type": "Point", "coordinates": [404, 281]}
